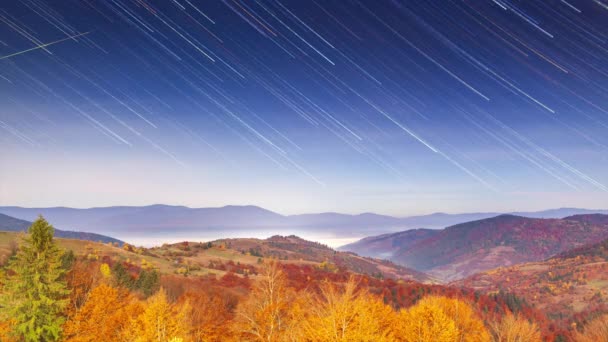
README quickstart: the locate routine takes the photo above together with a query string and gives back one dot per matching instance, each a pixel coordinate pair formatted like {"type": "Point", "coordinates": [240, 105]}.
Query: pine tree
{"type": "Point", "coordinates": [148, 282]}
{"type": "Point", "coordinates": [122, 277]}
{"type": "Point", "coordinates": [36, 294]}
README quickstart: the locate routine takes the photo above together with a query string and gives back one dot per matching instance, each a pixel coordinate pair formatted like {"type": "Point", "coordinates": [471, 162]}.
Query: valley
{"type": "Point", "coordinates": [548, 270]}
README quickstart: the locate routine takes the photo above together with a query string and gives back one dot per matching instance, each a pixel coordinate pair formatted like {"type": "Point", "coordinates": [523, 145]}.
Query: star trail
{"type": "Point", "coordinates": [398, 107]}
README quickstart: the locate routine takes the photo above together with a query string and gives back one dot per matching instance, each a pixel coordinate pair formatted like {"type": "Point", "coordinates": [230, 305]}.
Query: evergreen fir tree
{"type": "Point", "coordinates": [122, 277]}
{"type": "Point", "coordinates": [148, 282]}
{"type": "Point", "coordinates": [35, 295]}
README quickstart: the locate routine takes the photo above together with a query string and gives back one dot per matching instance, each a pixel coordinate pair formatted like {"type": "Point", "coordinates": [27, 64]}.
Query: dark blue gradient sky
{"type": "Point", "coordinates": [397, 107]}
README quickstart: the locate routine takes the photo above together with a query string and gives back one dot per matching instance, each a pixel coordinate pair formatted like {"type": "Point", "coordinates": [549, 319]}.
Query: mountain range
{"type": "Point", "coordinates": [179, 222]}
{"type": "Point", "coordinates": [472, 242]}
{"type": "Point", "coordinates": [467, 248]}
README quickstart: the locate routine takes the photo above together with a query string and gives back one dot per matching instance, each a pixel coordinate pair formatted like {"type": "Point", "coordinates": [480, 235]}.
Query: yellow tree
{"type": "Point", "coordinates": [470, 326]}
{"type": "Point", "coordinates": [425, 321]}
{"type": "Point", "coordinates": [596, 330]}
{"type": "Point", "coordinates": [161, 321]}
{"type": "Point", "coordinates": [515, 329]}
{"type": "Point", "coordinates": [105, 316]}
{"type": "Point", "coordinates": [266, 314]}
{"type": "Point", "coordinates": [347, 315]}
{"type": "Point", "coordinates": [105, 271]}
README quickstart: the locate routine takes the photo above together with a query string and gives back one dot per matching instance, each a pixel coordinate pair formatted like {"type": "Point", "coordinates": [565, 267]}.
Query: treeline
{"type": "Point", "coordinates": [49, 295]}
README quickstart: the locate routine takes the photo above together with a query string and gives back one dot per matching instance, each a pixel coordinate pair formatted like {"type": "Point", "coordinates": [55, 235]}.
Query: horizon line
{"type": "Point", "coordinates": [299, 214]}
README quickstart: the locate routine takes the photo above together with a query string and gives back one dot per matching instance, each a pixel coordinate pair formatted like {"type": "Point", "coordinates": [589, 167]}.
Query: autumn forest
{"type": "Point", "coordinates": [107, 292]}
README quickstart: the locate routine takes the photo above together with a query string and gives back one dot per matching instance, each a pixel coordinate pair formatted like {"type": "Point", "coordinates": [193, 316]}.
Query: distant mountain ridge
{"type": "Point", "coordinates": [159, 220]}
{"type": "Point", "coordinates": [11, 224]}
{"type": "Point", "coordinates": [386, 245]}
{"type": "Point", "coordinates": [467, 248]}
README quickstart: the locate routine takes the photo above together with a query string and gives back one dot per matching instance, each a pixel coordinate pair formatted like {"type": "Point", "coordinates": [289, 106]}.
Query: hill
{"type": "Point", "coordinates": [165, 222]}
{"type": "Point", "coordinates": [571, 286]}
{"type": "Point", "coordinates": [464, 249]}
{"type": "Point", "coordinates": [220, 256]}
{"type": "Point", "coordinates": [11, 224]}
{"type": "Point", "coordinates": [293, 248]}
{"type": "Point", "coordinates": [288, 250]}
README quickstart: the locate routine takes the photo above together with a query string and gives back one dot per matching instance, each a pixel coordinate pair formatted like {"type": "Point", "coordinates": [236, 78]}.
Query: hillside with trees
{"type": "Point", "coordinates": [572, 287]}
{"type": "Point", "coordinates": [112, 293]}
{"type": "Point", "coordinates": [468, 248]}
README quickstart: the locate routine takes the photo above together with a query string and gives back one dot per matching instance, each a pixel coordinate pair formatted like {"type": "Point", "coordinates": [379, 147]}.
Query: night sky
{"type": "Point", "coordinates": [395, 107]}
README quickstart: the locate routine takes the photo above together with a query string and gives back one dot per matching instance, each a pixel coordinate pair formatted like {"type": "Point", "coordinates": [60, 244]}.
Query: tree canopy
{"type": "Point", "coordinates": [35, 295]}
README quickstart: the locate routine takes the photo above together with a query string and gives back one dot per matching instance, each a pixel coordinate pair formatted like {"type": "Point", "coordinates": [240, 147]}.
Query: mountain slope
{"type": "Point", "coordinates": [570, 286]}
{"type": "Point", "coordinates": [11, 224]}
{"type": "Point", "coordinates": [387, 245]}
{"type": "Point", "coordinates": [471, 247]}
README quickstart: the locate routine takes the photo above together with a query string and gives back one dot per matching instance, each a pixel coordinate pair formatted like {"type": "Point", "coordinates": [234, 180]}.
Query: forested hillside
{"type": "Point", "coordinates": [111, 293]}
{"type": "Point", "coordinates": [571, 287]}
{"type": "Point", "coordinates": [465, 249]}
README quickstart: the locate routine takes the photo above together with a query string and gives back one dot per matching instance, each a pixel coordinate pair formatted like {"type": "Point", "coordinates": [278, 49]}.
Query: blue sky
{"type": "Point", "coordinates": [392, 107]}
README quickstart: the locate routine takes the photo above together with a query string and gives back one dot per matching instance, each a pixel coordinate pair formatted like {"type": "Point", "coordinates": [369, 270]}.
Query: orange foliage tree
{"type": "Point", "coordinates": [596, 330]}
{"type": "Point", "coordinates": [82, 278]}
{"type": "Point", "coordinates": [6, 330]}
{"type": "Point", "coordinates": [104, 316]}
{"type": "Point", "coordinates": [515, 329]}
{"type": "Point", "coordinates": [209, 318]}
{"type": "Point", "coordinates": [266, 315]}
